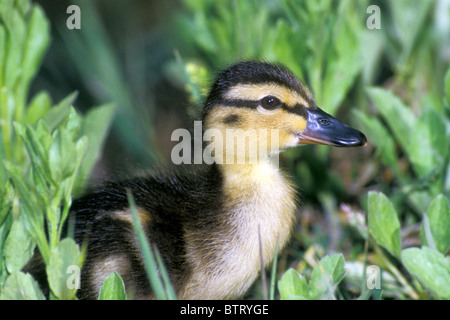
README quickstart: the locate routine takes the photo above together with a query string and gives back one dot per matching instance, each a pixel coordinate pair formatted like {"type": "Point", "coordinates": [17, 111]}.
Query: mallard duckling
{"type": "Point", "coordinates": [210, 223]}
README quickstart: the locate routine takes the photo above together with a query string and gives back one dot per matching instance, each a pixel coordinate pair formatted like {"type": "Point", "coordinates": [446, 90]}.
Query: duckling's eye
{"type": "Point", "coordinates": [270, 102]}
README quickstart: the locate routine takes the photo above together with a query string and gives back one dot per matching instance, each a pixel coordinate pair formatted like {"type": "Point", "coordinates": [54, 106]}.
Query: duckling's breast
{"type": "Point", "coordinates": [258, 211]}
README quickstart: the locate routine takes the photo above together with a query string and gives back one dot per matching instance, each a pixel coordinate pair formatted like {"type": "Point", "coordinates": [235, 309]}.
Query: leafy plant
{"type": "Point", "coordinates": [427, 265]}
{"type": "Point", "coordinates": [46, 152]}
{"type": "Point", "coordinates": [279, 32]}
{"type": "Point", "coordinates": [423, 139]}
{"type": "Point", "coordinates": [113, 288]}
{"type": "Point", "coordinates": [326, 275]}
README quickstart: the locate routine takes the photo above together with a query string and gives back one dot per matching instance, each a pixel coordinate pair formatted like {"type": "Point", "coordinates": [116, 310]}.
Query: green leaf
{"type": "Point", "coordinates": [62, 155]}
{"type": "Point", "coordinates": [16, 33]}
{"type": "Point", "coordinates": [113, 288]}
{"type": "Point", "coordinates": [65, 255]}
{"type": "Point", "coordinates": [326, 276]}
{"type": "Point", "coordinates": [436, 225]}
{"type": "Point", "coordinates": [32, 207]}
{"type": "Point", "coordinates": [428, 143]}
{"type": "Point", "coordinates": [430, 267]}
{"type": "Point", "coordinates": [392, 109]}
{"type": "Point", "coordinates": [19, 246]}
{"type": "Point", "coordinates": [38, 108]}
{"type": "Point", "coordinates": [21, 286]}
{"type": "Point", "coordinates": [382, 139]}
{"type": "Point", "coordinates": [36, 42]}
{"type": "Point", "coordinates": [292, 284]}
{"type": "Point", "coordinates": [35, 141]}
{"type": "Point", "coordinates": [383, 223]}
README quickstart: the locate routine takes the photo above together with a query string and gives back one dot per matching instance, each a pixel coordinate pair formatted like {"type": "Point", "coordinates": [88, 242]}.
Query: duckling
{"type": "Point", "coordinates": [212, 222]}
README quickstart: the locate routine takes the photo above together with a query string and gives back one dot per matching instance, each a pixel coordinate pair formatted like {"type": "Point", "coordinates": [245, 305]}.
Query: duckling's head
{"type": "Point", "coordinates": [270, 103]}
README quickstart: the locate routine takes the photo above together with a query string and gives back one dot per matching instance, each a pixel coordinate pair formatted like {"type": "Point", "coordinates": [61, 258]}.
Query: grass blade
{"type": "Point", "coordinates": [149, 258]}
{"type": "Point", "coordinates": [273, 275]}
{"type": "Point", "coordinates": [170, 292]}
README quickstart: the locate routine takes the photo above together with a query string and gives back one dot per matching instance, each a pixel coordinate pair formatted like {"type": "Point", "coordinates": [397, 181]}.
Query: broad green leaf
{"type": "Point", "coordinates": [38, 107]}
{"type": "Point", "coordinates": [392, 109]}
{"type": "Point", "coordinates": [62, 155]}
{"type": "Point", "coordinates": [382, 139]}
{"type": "Point", "coordinates": [64, 257]}
{"type": "Point", "coordinates": [21, 286]}
{"type": "Point", "coordinates": [428, 143]}
{"type": "Point", "coordinates": [383, 223]}
{"type": "Point", "coordinates": [36, 42]}
{"type": "Point", "coordinates": [113, 288]}
{"type": "Point", "coordinates": [436, 225]}
{"type": "Point", "coordinates": [430, 267]}
{"type": "Point", "coordinates": [16, 33]}
{"type": "Point", "coordinates": [292, 284]}
{"type": "Point", "coordinates": [19, 246]}
{"type": "Point", "coordinates": [23, 6]}
{"type": "Point", "coordinates": [421, 199]}
{"type": "Point", "coordinates": [43, 134]}
{"type": "Point", "coordinates": [326, 276]}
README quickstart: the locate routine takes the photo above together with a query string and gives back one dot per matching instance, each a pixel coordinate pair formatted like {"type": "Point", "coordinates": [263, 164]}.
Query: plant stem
{"type": "Point", "coordinates": [408, 289]}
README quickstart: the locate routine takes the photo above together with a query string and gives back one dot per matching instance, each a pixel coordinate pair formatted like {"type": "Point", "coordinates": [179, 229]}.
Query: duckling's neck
{"type": "Point", "coordinates": [258, 208]}
{"type": "Point", "coordinates": [263, 201]}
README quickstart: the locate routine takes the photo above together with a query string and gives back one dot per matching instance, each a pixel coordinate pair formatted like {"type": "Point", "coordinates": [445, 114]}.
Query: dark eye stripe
{"type": "Point", "coordinates": [240, 103]}
{"type": "Point", "coordinates": [298, 109]}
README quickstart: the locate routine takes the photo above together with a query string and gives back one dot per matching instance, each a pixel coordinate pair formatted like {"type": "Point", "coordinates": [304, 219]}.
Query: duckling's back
{"type": "Point", "coordinates": [167, 205]}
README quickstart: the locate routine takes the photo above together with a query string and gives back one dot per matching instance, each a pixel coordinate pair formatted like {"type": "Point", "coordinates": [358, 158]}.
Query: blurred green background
{"type": "Point", "coordinates": [155, 60]}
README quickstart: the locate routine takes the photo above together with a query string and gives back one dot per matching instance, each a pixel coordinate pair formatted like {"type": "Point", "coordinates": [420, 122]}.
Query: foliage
{"type": "Point", "coordinates": [328, 273]}
{"type": "Point", "coordinates": [98, 63]}
{"type": "Point", "coordinates": [428, 264]}
{"type": "Point", "coordinates": [113, 288]}
{"type": "Point", "coordinates": [46, 152]}
{"type": "Point", "coordinates": [219, 34]}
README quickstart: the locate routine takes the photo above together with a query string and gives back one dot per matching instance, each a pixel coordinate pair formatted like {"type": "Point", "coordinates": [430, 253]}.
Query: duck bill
{"type": "Point", "coordinates": [322, 128]}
